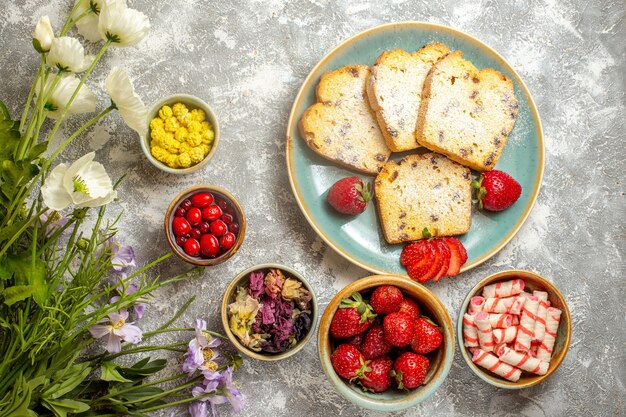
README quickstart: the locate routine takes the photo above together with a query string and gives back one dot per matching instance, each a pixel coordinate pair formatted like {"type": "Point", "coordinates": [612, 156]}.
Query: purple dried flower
{"type": "Point", "coordinates": [284, 308]}
{"type": "Point", "coordinates": [256, 284]}
{"type": "Point", "coordinates": [267, 313]}
{"type": "Point", "coordinates": [283, 329]}
{"type": "Point", "coordinates": [301, 325]}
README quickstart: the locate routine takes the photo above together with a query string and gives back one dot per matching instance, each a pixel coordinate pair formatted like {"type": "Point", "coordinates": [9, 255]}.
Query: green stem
{"type": "Point", "coordinates": [71, 22]}
{"type": "Point", "coordinates": [80, 84]}
{"type": "Point", "coordinates": [78, 132]}
{"type": "Point", "coordinates": [68, 22]}
{"type": "Point", "coordinates": [20, 231]}
{"type": "Point", "coordinates": [31, 93]}
{"type": "Point", "coordinates": [152, 398]}
{"type": "Point", "coordinates": [185, 401]}
{"type": "Point", "coordinates": [174, 347]}
{"type": "Point", "coordinates": [140, 386]}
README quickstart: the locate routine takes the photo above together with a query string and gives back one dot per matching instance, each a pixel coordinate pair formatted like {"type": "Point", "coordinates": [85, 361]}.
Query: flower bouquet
{"type": "Point", "coordinates": [67, 285]}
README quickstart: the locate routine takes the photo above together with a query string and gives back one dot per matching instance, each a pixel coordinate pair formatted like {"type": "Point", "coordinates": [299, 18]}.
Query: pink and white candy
{"type": "Point", "coordinates": [523, 361]}
{"type": "Point", "coordinates": [470, 331]}
{"type": "Point", "coordinates": [526, 328]}
{"type": "Point", "coordinates": [544, 351]}
{"type": "Point", "coordinates": [504, 289]}
{"type": "Point", "coordinates": [510, 305]}
{"type": "Point", "coordinates": [504, 335]}
{"type": "Point", "coordinates": [476, 305]}
{"type": "Point", "coordinates": [542, 311]}
{"type": "Point", "coordinates": [485, 332]}
{"type": "Point", "coordinates": [491, 362]}
{"type": "Point", "coordinates": [500, 321]}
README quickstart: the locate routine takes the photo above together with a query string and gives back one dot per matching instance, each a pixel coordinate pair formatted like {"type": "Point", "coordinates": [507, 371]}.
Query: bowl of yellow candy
{"type": "Point", "coordinates": [182, 136]}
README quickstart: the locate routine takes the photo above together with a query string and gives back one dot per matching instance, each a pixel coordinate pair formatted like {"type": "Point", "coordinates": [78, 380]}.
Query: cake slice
{"type": "Point", "coordinates": [465, 113]}
{"type": "Point", "coordinates": [394, 91]}
{"type": "Point", "coordinates": [423, 191]}
{"type": "Point", "coordinates": [341, 126]}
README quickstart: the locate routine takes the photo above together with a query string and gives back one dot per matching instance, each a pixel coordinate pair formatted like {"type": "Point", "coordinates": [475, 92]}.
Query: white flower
{"type": "Point", "coordinates": [123, 26]}
{"type": "Point", "coordinates": [43, 34]}
{"type": "Point", "coordinates": [88, 24]}
{"type": "Point", "coordinates": [84, 102]}
{"type": "Point", "coordinates": [128, 103]}
{"type": "Point", "coordinates": [85, 184]}
{"type": "Point", "coordinates": [68, 55]}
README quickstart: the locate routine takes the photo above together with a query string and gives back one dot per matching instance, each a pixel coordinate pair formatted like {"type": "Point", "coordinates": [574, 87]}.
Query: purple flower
{"type": "Point", "coordinates": [122, 256]}
{"type": "Point", "coordinates": [199, 351]}
{"type": "Point", "coordinates": [117, 330]}
{"type": "Point", "coordinates": [138, 308]}
{"type": "Point", "coordinates": [198, 409]}
{"type": "Point", "coordinates": [256, 284]}
{"type": "Point", "coordinates": [284, 308]}
{"type": "Point", "coordinates": [301, 325]}
{"type": "Point", "coordinates": [224, 390]}
{"type": "Point", "coordinates": [267, 311]}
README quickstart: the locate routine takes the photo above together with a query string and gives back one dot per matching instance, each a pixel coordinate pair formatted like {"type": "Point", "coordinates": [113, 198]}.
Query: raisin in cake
{"type": "Point", "coordinates": [465, 113]}
{"type": "Point", "coordinates": [394, 91]}
{"type": "Point", "coordinates": [423, 191]}
{"type": "Point", "coordinates": [341, 126]}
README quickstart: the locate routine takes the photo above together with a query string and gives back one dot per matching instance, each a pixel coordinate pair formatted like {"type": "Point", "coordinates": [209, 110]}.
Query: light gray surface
{"type": "Point", "coordinates": [248, 59]}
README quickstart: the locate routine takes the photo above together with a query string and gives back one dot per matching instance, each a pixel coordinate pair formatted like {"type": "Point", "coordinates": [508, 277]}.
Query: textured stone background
{"type": "Point", "coordinates": [248, 59]}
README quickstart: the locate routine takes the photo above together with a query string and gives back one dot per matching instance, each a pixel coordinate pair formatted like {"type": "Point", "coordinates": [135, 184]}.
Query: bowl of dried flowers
{"type": "Point", "coordinates": [269, 312]}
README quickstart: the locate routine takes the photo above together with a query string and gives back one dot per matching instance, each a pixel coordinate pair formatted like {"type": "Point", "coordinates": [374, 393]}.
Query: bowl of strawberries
{"type": "Point", "coordinates": [386, 343]}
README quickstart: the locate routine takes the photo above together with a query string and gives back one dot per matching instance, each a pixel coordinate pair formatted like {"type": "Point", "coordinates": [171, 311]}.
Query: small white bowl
{"type": "Point", "coordinates": [192, 102]}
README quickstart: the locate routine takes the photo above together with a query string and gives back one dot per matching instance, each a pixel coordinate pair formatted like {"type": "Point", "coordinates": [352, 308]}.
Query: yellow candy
{"type": "Point", "coordinates": [184, 119]}
{"type": "Point", "coordinates": [156, 123]}
{"type": "Point", "coordinates": [194, 126]}
{"type": "Point", "coordinates": [179, 109]}
{"type": "Point", "coordinates": [181, 134]}
{"type": "Point", "coordinates": [197, 115]}
{"type": "Point", "coordinates": [171, 124]}
{"type": "Point", "coordinates": [184, 160]}
{"type": "Point", "coordinates": [166, 112]}
{"type": "Point", "coordinates": [207, 137]}
{"type": "Point", "coordinates": [184, 148]}
{"type": "Point", "coordinates": [156, 133]}
{"type": "Point", "coordinates": [194, 139]}
{"type": "Point", "coordinates": [196, 155]}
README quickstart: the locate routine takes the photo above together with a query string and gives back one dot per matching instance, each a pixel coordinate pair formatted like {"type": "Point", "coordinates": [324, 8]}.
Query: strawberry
{"type": "Point", "coordinates": [436, 264]}
{"type": "Point", "coordinates": [386, 299]}
{"type": "Point", "coordinates": [349, 195]}
{"type": "Point", "coordinates": [444, 251]}
{"type": "Point", "coordinates": [496, 190]}
{"type": "Point", "coordinates": [398, 328]}
{"type": "Point", "coordinates": [378, 378]}
{"type": "Point", "coordinates": [348, 362]}
{"type": "Point", "coordinates": [355, 340]}
{"type": "Point", "coordinates": [458, 256]}
{"type": "Point", "coordinates": [353, 316]}
{"type": "Point", "coordinates": [409, 370]}
{"type": "Point", "coordinates": [426, 336]}
{"type": "Point", "coordinates": [410, 307]}
{"type": "Point", "coordinates": [417, 257]}
{"type": "Point", "coordinates": [374, 343]}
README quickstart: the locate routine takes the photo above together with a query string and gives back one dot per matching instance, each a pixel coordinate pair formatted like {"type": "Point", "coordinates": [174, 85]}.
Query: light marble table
{"type": "Point", "coordinates": [248, 59]}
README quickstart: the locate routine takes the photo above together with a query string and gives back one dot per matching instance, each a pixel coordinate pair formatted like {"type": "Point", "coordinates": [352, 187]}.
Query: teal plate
{"type": "Point", "coordinates": [359, 239]}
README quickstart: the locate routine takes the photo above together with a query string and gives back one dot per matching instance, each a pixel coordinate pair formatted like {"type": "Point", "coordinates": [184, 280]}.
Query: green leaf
{"type": "Point", "coordinates": [66, 380]}
{"type": "Point", "coordinates": [37, 150]}
{"type": "Point", "coordinates": [143, 368]}
{"type": "Point", "coordinates": [110, 372]}
{"type": "Point", "coordinates": [4, 112]}
{"type": "Point", "coordinates": [62, 407]}
{"type": "Point", "coordinates": [27, 273]}
{"type": "Point", "coordinates": [17, 293]}
{"type": "Point", "coordinates": [37, 46]}
{"type": "Point", "coordinates": [139, 394]}
{"type": "Point", "coordinates": [8, 232]}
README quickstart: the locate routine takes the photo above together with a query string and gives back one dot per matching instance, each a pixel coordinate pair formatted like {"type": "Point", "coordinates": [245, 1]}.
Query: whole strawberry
{"type": "Point", "coordinates": [410, 307]}
{"type": "Point", "coordinates": [378, 378]}
{"type": "Point", "coordinates": [353, 316]}
{"type": "Point", "coordinates": [496, 190]}
{"type": "Point", "coordinates": [426, 336]}
{"type": "Point", "coordinates": [386, 299]}
{"type": "Point", "coordinates": [398, 328]}
{"type": "Point", "coordinates": [409, 370]}
{"type": "Point", "coordinates": [349, 195]}
{"type": "Point", "coordinates": [355, 340]}
{"type": "Point", "coordinates": [374, 344]}
{"type": "Point", "coordinates": [348, 362]}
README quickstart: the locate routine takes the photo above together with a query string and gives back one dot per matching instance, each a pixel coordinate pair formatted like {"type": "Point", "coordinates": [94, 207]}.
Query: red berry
{"type": "Point", "coordinates": [378, 377]}
{"type": "Point", "coordinates": [196, 233]}
{"type": "Point", "coordinates": [192, 247]}
{"type": "Point", "coordinates": [227, 241]}
{"type": "Point", "coordinates": [398, 328]}
{"type": "Point", "coordinates": [347, 320]}
{"type": "Point", "coordinates": [186, 203]}
{"type": "Point", "coordinates": [180, 212]}
{"type": "Point", "coordinates": [386, 299]}
{"type": "Point", "coordinates": [194, 216]}
{"type": "Point", "coordinates": [204, 227]}
{"type": "Point", "coordinates": [410, 370]}
{"type": "Point", "coordinates": [444, 251]}
{"type": "Point", "coordinates": [233, 227]}
{"type": "Point", "coordinates": [496, 190]}
{"type": "Point", "coordinates": [374, 344]}
{"type": "Point", "coordinates": [223, 204]}
{"type": "Point", "coordinates": [349, 195]}
{"type": "Point", "coordinates": [410, 307]}
{"type": "Point", "coordinates": [426, 336]}
{"type": "Point", "coordinates": [180, 241]}
{"type": "Point", "coordinates": [218, 228]}
{"type": "Point", "coordinates": [348, 362]}
{"type": "Point", "coordinates": [201, 200]}
{"type": "Point", "coordinates": [417, 257]}
{"type": "Point", "coordinates": [211, 213]}
{"type": "Point", "coordinates": [355, 340]}
{"type": "Point", "coordinates": [458, 256]}
{"type": "Point", "coordinates": [227, 218]}
{"type": "Point", "coordinates": [180, 226]}
{"type": "Point", "coordinates": [209, 246]}
{"type": "Point", "coordinates": [436, 263]}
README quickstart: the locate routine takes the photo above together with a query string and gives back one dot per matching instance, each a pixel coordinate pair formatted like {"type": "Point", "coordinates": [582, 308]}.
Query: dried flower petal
{"type": "Point", "coordinates": [242, 314]}
{"type": "Point", "coordinates": [293, 290]}
{"type": "Point", "coordinates": [274, 282]}
{"type": "Point", "coordinates": [256, 284]}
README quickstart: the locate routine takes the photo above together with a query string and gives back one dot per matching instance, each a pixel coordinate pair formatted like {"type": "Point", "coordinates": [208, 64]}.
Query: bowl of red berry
{"type": "Point", "coordinates": [386, 343]}
{"type": "Point", "coordinates": [205, 225]}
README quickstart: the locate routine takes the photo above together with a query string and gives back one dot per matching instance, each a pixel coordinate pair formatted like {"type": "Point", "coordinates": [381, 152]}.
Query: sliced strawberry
{"type": "Point", "coordinates": [436, 264]}
{"type": "Point", "coordinates": [462, 250]}
{"type": "Point", "coordinates": [455, 257]}
{"type": "Point", "coordinates": [443, 248]}
{"type": "Point", "coordinates": [417, 257]}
